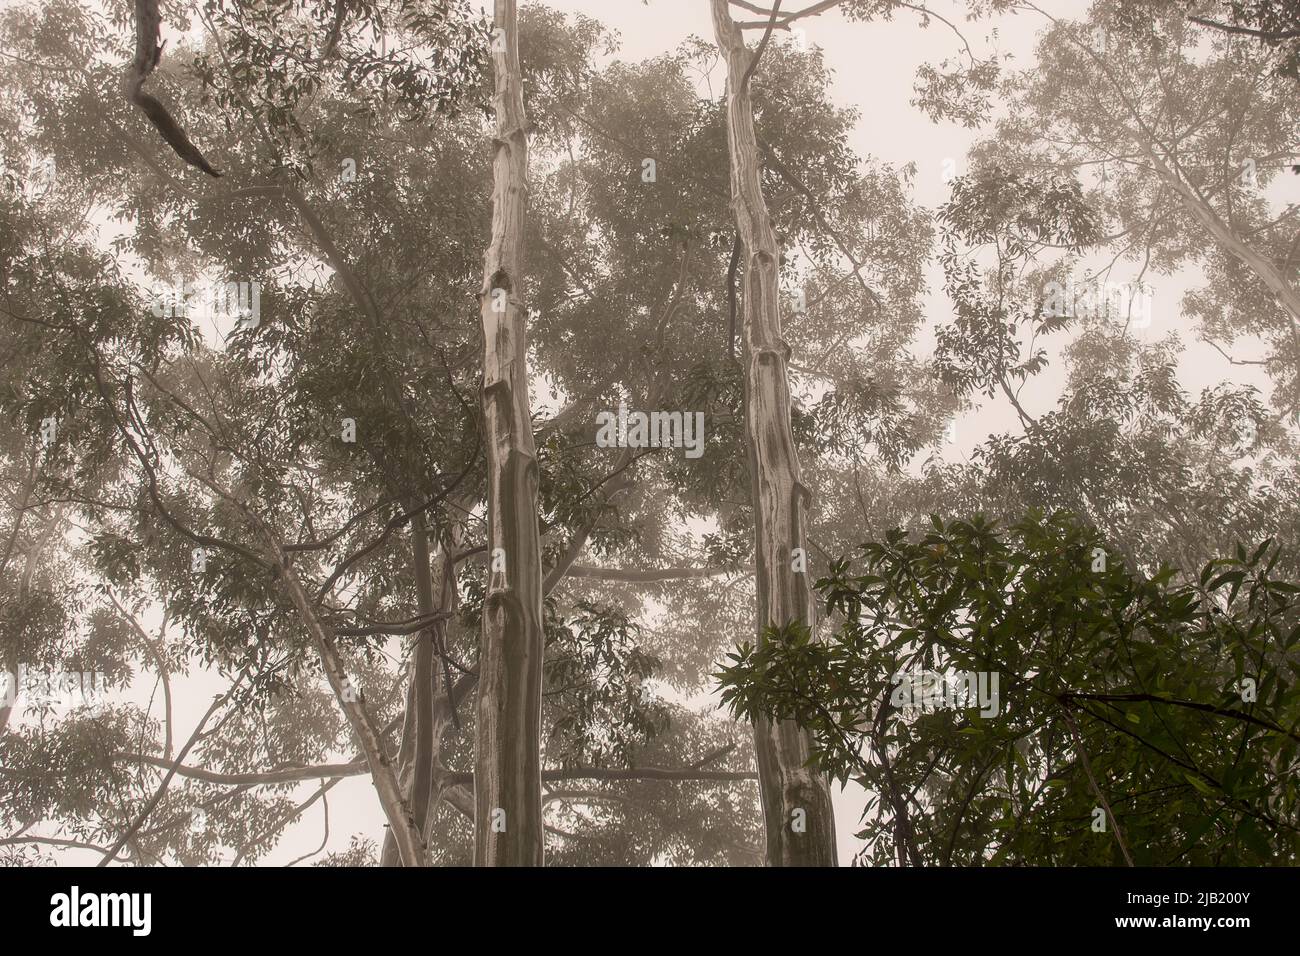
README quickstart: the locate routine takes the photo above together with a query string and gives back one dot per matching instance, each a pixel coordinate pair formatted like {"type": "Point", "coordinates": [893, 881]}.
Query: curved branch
{"type": "Point", "coordinates": [148, 51]}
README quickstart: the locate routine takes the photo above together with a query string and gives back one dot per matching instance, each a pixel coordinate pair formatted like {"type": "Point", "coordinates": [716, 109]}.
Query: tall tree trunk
{"type": "Point", "coordinates": [507, 760]}
{"type": "Point", "coordinates": [421, 731]}
{"type": "Point", "coordinates": [797, 808]}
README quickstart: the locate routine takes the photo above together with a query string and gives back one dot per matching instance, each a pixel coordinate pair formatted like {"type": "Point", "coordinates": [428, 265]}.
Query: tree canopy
{"type": "Point", "coordinates": [248, 445]}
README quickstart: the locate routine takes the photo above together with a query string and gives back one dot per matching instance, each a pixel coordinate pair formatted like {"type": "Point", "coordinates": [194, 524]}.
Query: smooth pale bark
{"type": "Point", "coordinates": [507, 758]}
{"type": "Point", "coordinates": [786, 785]}
{"type": "Point", "coordinates": [1196, 203]}
{"type": "Point", "coordinates": [410, 842]}
{"type": "Point", "coordinates": [1287, 295]}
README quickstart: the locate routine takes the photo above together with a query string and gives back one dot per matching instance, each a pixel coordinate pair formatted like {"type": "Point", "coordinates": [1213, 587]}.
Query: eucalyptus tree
{"type": "Point", "coordinates": [797, 810]}
{"type": "Point", "coordinates": [1167, 476]}
{"type": "Point", "coordinates": [364, 231]}
{"type": "Point", "coordinates": [299, 406]}
{"type": "Point", "coordinates": [507, 778]}
{"type": "Point", "coordinates": [1178, 131]}
{"type": "Point", "coordinates": [1067, 180]}
{"type": "Point", "coordinates": [250, 436]}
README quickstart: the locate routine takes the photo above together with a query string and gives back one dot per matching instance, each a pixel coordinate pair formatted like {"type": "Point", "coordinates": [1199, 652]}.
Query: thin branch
{"type": "Point", "coordinates": [1191, 705]}
{"type": "Point", "coordinates": [651, 575]}
{"type": "Point", "coordinates": [171, 772]}
{"type": "Point", "coordinates": [453, 778]}
{"type": "Point", "coordinates": [1268, 36]}
{"type": "Point", "coordinates": [762, 45]}
{"type": "Point", "coordinates": [1087, 768]}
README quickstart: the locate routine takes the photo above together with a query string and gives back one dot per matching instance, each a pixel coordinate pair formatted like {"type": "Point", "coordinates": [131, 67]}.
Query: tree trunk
{"type": "Point", "coordinates": [507, 760]}
{"type": "Point", "coordinates": [421, 730]}
{"type": "Point", "coordinates": [797, 808]}
{"type": "Point", "coordinates": [410, 842]}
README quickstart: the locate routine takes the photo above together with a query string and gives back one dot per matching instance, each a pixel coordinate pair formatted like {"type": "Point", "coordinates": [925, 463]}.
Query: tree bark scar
{"type": "Point", "coordinates": [498, 388]}
{"type": "Point", "coordinates": [507, 778]}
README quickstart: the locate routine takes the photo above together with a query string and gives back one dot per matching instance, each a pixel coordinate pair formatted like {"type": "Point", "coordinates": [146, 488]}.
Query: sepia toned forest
{"type": "Point", "coordinates": [430, 436]}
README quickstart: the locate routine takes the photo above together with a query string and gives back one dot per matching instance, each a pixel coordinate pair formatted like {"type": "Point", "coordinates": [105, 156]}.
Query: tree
{"type": "Point", "coordinates": [271, 399]}
{"type": "Point", "coordinates": [797, 812]}
{"type": "Point", "coordinates": [507, 780]}
{"type": "Point", "coordinates": [1027, 698]}
{"type": "Point", "coordinates": [234, 502]}
{"type": "Point", "coordinates": [1179, 130]}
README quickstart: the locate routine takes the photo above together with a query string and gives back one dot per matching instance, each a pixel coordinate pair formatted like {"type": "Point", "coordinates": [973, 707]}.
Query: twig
{"type": "Point", "coordinates": [1087, 768]}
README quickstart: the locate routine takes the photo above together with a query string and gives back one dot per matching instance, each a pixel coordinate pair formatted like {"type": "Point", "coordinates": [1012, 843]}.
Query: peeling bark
{"type": "Point", "coordinates": [428, 705]}
{"type": "Point", "coordinates": [779, 495]}
{"type": "Point", "coordinates": [507, 780]}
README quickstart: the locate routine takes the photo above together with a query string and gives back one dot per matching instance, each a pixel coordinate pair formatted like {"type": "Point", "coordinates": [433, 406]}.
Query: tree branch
{"type": "Point", "coordinates": [452, 778]}
{"type": "Point", "coordinates": [762, 44]}
{"type": "Point", "coordinates": [1087, 768]}
{"type": "Point", "coordinates": [148, 51]}
{"type": "Point", "coordinates": [148, 808]}
{"type": "Point", "coordinates": [1190, 704]}
{"type": "Point", "coordinates": [651, 575]}
{"type": "Point", "coordinates": [1268, 36]}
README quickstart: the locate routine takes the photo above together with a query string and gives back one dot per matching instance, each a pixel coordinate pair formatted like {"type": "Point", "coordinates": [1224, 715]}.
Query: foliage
{"type": "Point", "coordinates": [1110, 680]}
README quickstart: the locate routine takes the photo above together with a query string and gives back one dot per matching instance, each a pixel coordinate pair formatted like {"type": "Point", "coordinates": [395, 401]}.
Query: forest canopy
{"type": "Point", "coordinates": [561, 456]}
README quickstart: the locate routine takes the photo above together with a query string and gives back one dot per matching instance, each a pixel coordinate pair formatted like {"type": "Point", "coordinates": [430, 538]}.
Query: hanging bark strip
{"type": "Point", "coordinates": [797, 808]}
{"type": "Point", "coordinates": [508, 779]}
{"type": "Point", "coordinates": [148, 51]}
{"type": "Point", "coordinates": [430, 694]}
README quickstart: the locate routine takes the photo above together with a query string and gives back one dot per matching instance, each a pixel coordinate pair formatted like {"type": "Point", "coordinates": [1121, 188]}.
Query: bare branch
{"type": "Point", "coordinates": [651, 575]}
{"type": "Point", "coordinates": [762, 44]}
{"type": "Point", "coordinates": [1087, 768]}
{"type": "Point", "coordinates": [148, 51]}
{"type": "Point", "coordinates": [785, 21]}
{"type": "Point", "coordinates": [148, 808]}
{"type": "Point", "coordinates": [1268, 36]}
